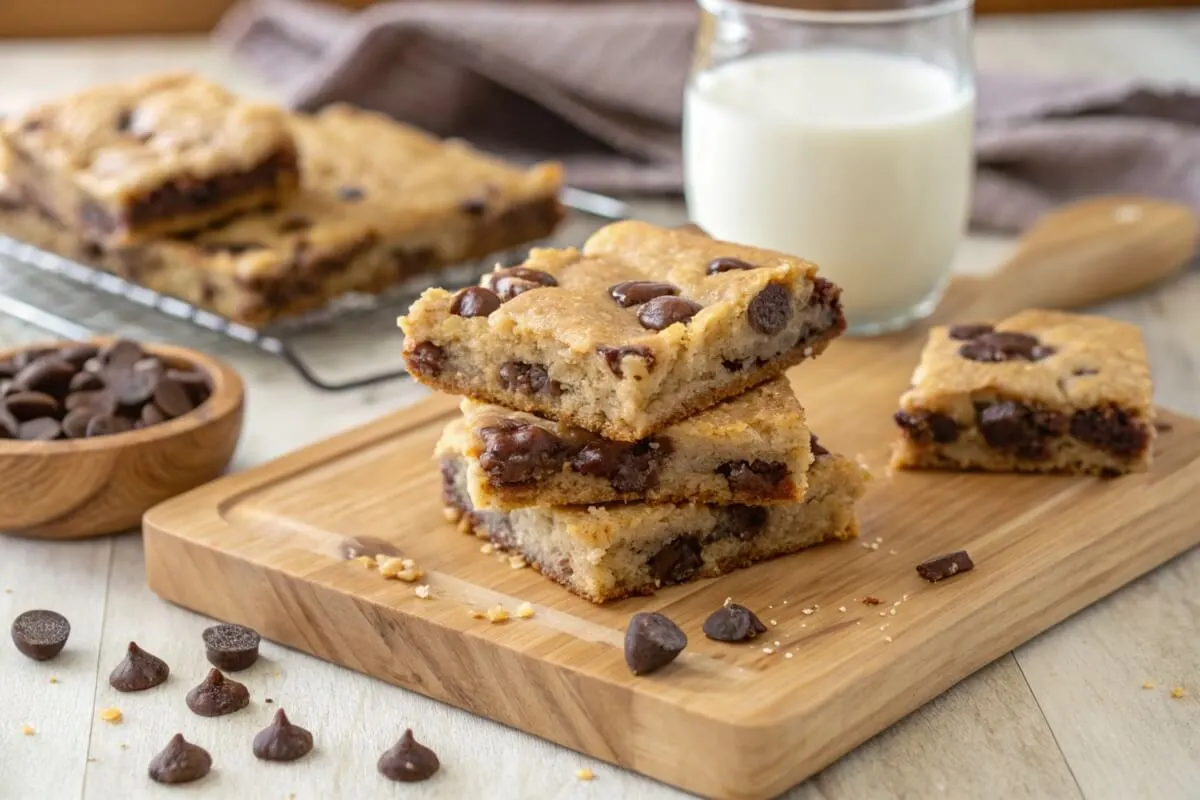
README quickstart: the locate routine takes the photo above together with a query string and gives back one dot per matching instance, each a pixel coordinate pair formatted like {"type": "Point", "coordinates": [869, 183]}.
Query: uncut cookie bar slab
{"type": "Point", "coordinates": [641, 328]}
{"type": "Point", "coordinates": [754, 448]}
{"type": "Point", "coordinates": [165, 154]}
{"type": "Point", "coordinates": [1042, 391]}
{"type": "Point", "coordinates": [380, 203]}
{"type": "Point", "coordinates": [604, 553]}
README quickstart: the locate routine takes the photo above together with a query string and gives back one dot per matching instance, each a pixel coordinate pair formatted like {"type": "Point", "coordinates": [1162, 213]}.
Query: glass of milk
{"type": "Point", "coordinates": [840, 132]}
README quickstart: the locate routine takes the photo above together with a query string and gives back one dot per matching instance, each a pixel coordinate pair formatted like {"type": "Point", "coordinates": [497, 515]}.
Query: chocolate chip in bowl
{"type": "Point", "coordinates": [92, 434]}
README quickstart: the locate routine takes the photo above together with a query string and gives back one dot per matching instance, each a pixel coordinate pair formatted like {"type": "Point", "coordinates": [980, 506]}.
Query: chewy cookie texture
{"type": "Point", "coordinates": [753, 448]}
{"type": "Point", "coordinates": [605, 553]}
{"type": "Point", "coordinates": [1042, 391]}
{"type": "Point", "coordinates": [380, 202]}
{"type": "Point", "coordinates": [166, 154]}
{"type": "Point", "coordinates": [641, 328]}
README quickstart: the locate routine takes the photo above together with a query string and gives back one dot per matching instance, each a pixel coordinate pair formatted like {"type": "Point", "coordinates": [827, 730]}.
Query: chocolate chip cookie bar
{"type": "Point", "coordinates": [754, 448]}
{"type": "Point", "coordinates": [380, 203]}
{"type": "Point", "coordinates": [641, 328]}
{"type": "Point", "coordinates": [166, 154]}
{"type": "Point", "coordinates": [1042, 391]}
{"type": "Point", "coordinates": [606, 553]}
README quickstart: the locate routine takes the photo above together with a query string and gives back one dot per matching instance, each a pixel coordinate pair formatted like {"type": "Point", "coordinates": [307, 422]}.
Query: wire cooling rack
{"type": "Point", "coordinates": [33, 289]}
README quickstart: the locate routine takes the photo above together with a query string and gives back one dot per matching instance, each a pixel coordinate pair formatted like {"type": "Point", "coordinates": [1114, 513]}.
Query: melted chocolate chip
{"type": "Point", "coordinates": [517, 453]}
{"type": "Point", "coordinates": [756, 478]}
{"type": "Point", "coordinates": [996, 346]}
{"type": "Point", "coordinates": [231, 647]}
{"type": "Point", "coordinates": [408, 761]}
{"type": "Point", "coordinates": [613, 356]}
{"type": "Point", "coordinates": [180, 762]}
{"type": "Point", "coordinates": [732, 365]}
{"type": "Point", "coordinates": [651, 642]}
{"type": "Point", "coordinates": [512, 281]}
{"type": "Point", "coordinates": [725, 264]}
{"type": "Point", "coordinates": [678, 561]}
{"type": "Point", "coordinates": [817, 448]}
{"type": "Point", "coordinates": [40, 634]}
{"type": "Point", "coordinates": [924, 427]}
{"type": "Point", "coordinates": [629, 468]}
{"type": "Point", "coordinates": [969, 331]}
{"type": "Point", "coordinates": [518, 376]}
{"type": "Point", "coordinates": [634, 293]}
{"type": "Point", "coordinates": [426, 358]}
{"type": "Point", "coordinates": [663, 312]}
{"type": "Point", "coordinates": [281, 740]}
{"type": "Point", "coordinates": [1110, 429]}
{"type": "Point", "coordinates": [138, 671]}
{"type": "Point", "coordinates": [770, 310]}
{"type": "Point", "coordinates": [474, 301]}
{"type": "Point", "coordinates": [217, 696]}
{"type": "Point", "coordinates": [733, 623]}
{"type": "Point", "coordinates": [1009, 425]}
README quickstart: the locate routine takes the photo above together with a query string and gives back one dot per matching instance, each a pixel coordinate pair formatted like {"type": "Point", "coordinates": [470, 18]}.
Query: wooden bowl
{"type": "Point", "coordinates": [75, 488]}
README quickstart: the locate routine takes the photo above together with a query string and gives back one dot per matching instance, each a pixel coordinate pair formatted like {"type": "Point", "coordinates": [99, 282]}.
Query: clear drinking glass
{"type": "Point", "coordinates": [840, 132]}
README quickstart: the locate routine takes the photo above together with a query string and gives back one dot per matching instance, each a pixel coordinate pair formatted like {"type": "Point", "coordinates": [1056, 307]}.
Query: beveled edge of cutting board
{"type": "Point", "coordinates": [761, 756]}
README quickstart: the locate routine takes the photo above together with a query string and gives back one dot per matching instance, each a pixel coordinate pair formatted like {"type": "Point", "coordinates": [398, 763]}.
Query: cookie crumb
{"type": "Point", "coordinates": [365, 561]}
{"type": "Point", "coordinates": [525, 611]}
{"type": "Point", "coordinates": [729, 600]}
{"type": "Point", "coordinates": [486, 548]}
{"type": "Point", "coordinates": [887, 639]}
{"type": "Point", "coordinates": [112, 715]}
{"type": "Point", "coordinates": [124, 746]}
{"type": "Point", "coordinates": [1148, 685]}
{"type": "Point", "coordinates": [7, 590]}
{"type": "Point", "coordinates": [497, 614]}
{"type": "Point", "coordinates": [423, 592]}
{"type": "Point", "coordinates": [768, 650]}
{"type": "Point", "coordinates": [808, 612]}
{"type": "Point", "coordinates": [773, 622]}
{"type": "Point", "coordinates": [893, 553]}
{"type": "Point", "coordinates": [27, 731]}
{"type": "Point", "coordinates": [451, 514]}
{"type": "Point", "coordinates": [402, 569]}
{"type": "Point", "coordinates": [871, 600]}
{"type": "Point", "coordinates": [584, 774]}
{"type": "Point", "coordinates": [477, 614]}
{"type": "Point", "coordinates": [1178, 692]}
{"type": "Point", "coordinates": [517, 562]}
{"type": "Point", "coordinates": [892, 613]}
{"type": "Point", "coordinates": [91, 760]}
{"type": "Point", "coordinates": [842, 609]}
{"type": "Point", "coordinates": [787, 655]}
{"type": "Point", "coordinates": [54, 679]}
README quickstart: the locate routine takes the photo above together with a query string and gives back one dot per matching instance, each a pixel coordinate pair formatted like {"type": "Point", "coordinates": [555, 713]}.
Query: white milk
{"type": "Point", "coordinates": [859, 162]}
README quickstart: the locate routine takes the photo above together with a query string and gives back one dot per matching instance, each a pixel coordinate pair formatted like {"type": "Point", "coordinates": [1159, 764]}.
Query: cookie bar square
{"type": "Point", "coordinates": [170, 153]}
{"type": "Point", "coordinates": [380, 203]}
{"type": "Point", "coordinates": [1043, 391]}
{"type": "Point", "coordinates": [754, 448]}
{"type": "Point", "coordinates": [605, 553]}
{"type": "Point", "coordinates": [643, 327]}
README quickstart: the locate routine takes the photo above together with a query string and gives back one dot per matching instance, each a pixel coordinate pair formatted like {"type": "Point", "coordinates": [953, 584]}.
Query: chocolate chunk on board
{"type": "Point", "coordinates": [408, 761]}
{"type": "Point", "coordinates": [651, 642]}
{"type": "Point", "coordinates": [40, 634]}
{"type": "Point", "coordinates": [946, 566]}
{"type": "Point", "coordinates": [217, 696]}
{"type": "Point", "coordinates": [281, 740]}
{"type": "Point", "coordinates": [733, 623]}
{"type": "Point", "coordinates": [231, 647]}
{"type": "Point", "coordinates": [180, 762]}
{"type": "Point", "coordinates": [138, 671]}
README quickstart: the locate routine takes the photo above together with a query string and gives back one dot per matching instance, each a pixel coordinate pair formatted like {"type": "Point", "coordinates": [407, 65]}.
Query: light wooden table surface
{"type": "Point", "coordinates": [1066, 715]}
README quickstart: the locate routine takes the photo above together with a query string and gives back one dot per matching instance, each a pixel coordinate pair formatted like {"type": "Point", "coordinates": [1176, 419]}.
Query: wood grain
{"type": "Point", "coordinates": [260, 548]}
{"type": "Point", "coordinates": [75, 488]}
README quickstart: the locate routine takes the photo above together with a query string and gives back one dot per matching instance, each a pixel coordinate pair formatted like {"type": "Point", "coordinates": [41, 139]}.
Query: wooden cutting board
{"type": "Point", "coordinates": [262, 548]}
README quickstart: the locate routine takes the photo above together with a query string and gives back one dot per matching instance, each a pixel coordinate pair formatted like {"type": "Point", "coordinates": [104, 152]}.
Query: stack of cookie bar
{"type": "Point", "coordinates": [627, 425]}
{"type": "Point", "coordinates": [249, 211]}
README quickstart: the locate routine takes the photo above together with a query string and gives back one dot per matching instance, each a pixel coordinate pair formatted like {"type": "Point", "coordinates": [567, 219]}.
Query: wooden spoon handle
{"type": "Point", "coordinates": [1084, 254]}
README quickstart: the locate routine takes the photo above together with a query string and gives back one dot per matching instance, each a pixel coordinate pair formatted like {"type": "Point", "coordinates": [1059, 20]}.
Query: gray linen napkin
{"type": "Point", "coordinates": [598, 85]}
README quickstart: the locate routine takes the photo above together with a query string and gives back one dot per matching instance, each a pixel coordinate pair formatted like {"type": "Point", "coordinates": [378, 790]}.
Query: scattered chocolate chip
{"type": "Point", "coordinates": [969, 331]}
{"type": "Point", "coordinates": [40, 634]}
{"type": "Point", "coordinates": [231, 647]}
{"type": "Point", "coordinates": [509, 282]}
{"type": "Point", "coordinates": [634, 293]}
{"type": "Point", "coordinates": [758, 478]}
{"type": "Point", "coordinates": [651, 642]}
{"type": "Point", "coordinates": [1111, 429]}
{"type": "Point", "coordinates": [48, 375]}
{"type": "Point", "coordinates": [25, 406]}
{"type": "Point", "coordinates": [408, 761]}
{"type": "Point", "coordinates": [84, 381]}
{"type": "Point", "coordinates": [770, 310]}
{"type": "Point", "coordinates": [663, 312]}
{"type": "Point", "coordinates": [217, 696]}
{"type": "Point", "coordinates": [733, 623]}
{"type": "Point", "coordinates": [138, 671]}
{"type": "Point", "coordinates": [43, 429]}
{"type": "Point", "coordinates": [996, 346]}
{"type": "Point", "coordinates": [474, 301]}
{"type": "Point", "coordinates": [171, 398]}
{"type": "Point", "coordinates": [281, 740]}
{"type": "Point", "coordinates": [924, 427]}
{"type": "Point", "coordinates": [725, 264]}
{"type": "Point", "coordinates": [677, 561]}
{"type": "Point", "coordinates": [78, 354]}
{"type": "Point", "coordinates": [351, 194]}
{"type": "Point", "coordinates": [613, 356]}
{"type": "Point", "coordinates": [817, 448]}
{"type": "Point", "coordinates": [426, 358]}
{"type": "Point", "coordinates": [107, 425]}
{"type": "Point", "coordinates": [180, 762]}
{"type": "Point", "coordinates": [518, 376]}
{"type": "Point", "coordinates": [947, 566]}
{"type": "Point", "coordinates": [872, 600]}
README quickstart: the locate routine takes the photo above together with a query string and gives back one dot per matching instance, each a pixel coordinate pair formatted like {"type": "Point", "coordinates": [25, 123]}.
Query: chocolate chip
{"type": "Point", "coordinates": [231, 247]}
{"type": "Point", "coordinates": [732, 365]}
{"type": "Point", "coordinates": [138, 671]}
{"type": "Point", "coordinates": [43, 429]}
{"type": "Point", "coordinates": [426, 358]}
{"type": "Point", "coordinates": [40, 634]}
{"type": "Point", "coordinates": [733, 623]}
{"type": "Point", "coordinates": [8, 424]}
{"type": "Point", "coordinates": [518, 376]}
{"type": "Point", "coordinates": [217, 696]}
{"type": "Point", "coordinates": [48, 375]}
{"type": "Point", "coordinates": [180, 762]}
{"type": "Point", "coordinates": [817, 448]}
{"type": "Point", "coordinates": [124, 119]}
{"type": "Point", "coordinates": [195, 381]}
{"type": "Point", "coordinates": [634, 293]}
{"type": "Point", "coordinates": [651, 642]}
{"type": "Point", "coordinates": [758, 478]}
{"type": "Point", "coordinates": [121, 353]}
{"type": "Point", "coordinates": [351, 194]}
{"type": "Point", "coordinates": [281, 740]}
{"type": "Point", "coordinates": [629, 468]}
{"type": "Point", "coordinates": [151, 415]}
{"type": "Point", "coordinates": [725, 264]}
{"type": "Point", "coordinates": [663, 312]}
{"type": "Point", "coordinates": [1007, 425]}
{"type": "Point", "coordinates": [85, 381]}
{"type": "Point", "coordinates": [473, 206]}
{"type": "Point", "coordinates": [1110, 429]}
{"type": "Point", "coordinates": [8, 369]}
{"type": "Point", "coordinates": [30, 405]}
{"type": "Point", "coordinates": [519, 453]}
{"type": "Point", "coordinates": [614, 355]}
{"type": "Point", "coordinates": [171, 398]}
{"type": "Point", "coordinates": [923, 427]}
{"type": "Point", "coordinates": [295, 223]}
{"type": "Point", "coordinates": [770, 310]}
{"type": "Point", "coordinates": [74, 424]}
{"type": "Point", "coordinates": [99, 401]}
{"type": "Point", "coordinates": [678, 561]}
{"type": "Point", "coordinates": [969, 331]}
{"type": "Point", "coordinates": [996, 346]}
{"type": "Point", "coordinates": [231, 647]}
{"type": "Point", "coordinates": [78, 354]}
{"type": "Point", "coordinates": [408, 761]}
{"type": "Point", "coordinates": [509, 282]}
{"type": "Point", "coordinates": [947, 566]}
{"type": "Point", "coordinates": [107, 425]}
{"type": "Point", "coordinates": [474, 301]}
{"type": "Point", "coordinates": [131, 389]}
